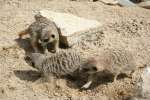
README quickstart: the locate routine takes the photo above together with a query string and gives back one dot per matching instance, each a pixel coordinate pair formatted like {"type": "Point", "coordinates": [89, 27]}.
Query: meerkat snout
{"type": "Point", "coordinates": [92, 65]}
{"type": "Point", "coordinates": [45, 40]}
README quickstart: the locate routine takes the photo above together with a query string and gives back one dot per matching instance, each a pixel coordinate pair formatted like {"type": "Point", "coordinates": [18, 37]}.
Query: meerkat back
{"type": "Point", "coordinates": [123, 61]}
{"type": "Point", "coordinates": [61, 63]}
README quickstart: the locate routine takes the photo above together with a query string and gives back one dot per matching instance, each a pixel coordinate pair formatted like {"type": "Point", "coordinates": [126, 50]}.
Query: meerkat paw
{"type": "Point", "coordinates": [36, 50]}
{"type": "Point", "coordinates": [46, 52]}
{"type": "Point", "coordinates": [87, 85]}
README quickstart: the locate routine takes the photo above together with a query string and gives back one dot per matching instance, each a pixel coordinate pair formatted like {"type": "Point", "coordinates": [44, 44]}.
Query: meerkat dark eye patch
{"type": "Point", "coordinates": [85, 69]}
{"type": "Point", "coordinates": [45, 40]}
{"type": "Point", "coordinates": [32, 64]}
{"type": "Point", "coordinates": [53, 36]}
{"type": "Point", "coordinates": [94, 68]}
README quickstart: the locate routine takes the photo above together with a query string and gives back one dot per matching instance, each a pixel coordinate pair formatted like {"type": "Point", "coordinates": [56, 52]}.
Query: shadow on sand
{"type": "Point", "coordinates": [28, 75]}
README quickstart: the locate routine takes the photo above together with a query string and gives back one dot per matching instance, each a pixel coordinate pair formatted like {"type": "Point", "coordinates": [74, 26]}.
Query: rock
{"type": "Point", "coordinates": [126, 3]}
{"type": "Point", "coordinates": [145, 4]}
{"type": "Point", "coordinates": [72, 27]}
{"type": "Point", "coordinates": [109, 2]}
{"type": "Point", "coordinates": [146, 82]}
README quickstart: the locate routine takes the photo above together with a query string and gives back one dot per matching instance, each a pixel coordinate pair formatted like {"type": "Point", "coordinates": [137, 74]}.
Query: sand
{"type": "Point", "coordinates": [127, 28]}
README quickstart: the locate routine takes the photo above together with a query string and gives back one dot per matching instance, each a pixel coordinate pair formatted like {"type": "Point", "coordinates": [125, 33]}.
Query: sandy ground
{"type": "Point", "coordinates": [127, 28]}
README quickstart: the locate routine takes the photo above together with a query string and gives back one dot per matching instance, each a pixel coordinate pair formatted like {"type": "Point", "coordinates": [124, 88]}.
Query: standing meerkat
{"type": "Point", "coordinates": [43, 33]}
{"type": "Point", "coordinates": [61, 63]}
{"type": "Point", "coordinates": [114, 61]}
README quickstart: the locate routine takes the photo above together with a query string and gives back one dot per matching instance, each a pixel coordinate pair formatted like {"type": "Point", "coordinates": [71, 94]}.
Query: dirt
{"type": "Point", "coordinates": [127, 28]}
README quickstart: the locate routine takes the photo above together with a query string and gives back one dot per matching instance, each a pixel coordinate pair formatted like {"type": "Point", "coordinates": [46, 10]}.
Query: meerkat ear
{"type": "Point", "coordinates": [59, 30]}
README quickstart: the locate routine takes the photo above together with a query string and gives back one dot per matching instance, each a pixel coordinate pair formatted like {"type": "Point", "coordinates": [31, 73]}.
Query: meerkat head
{"type": "Point", "coordinates": [94, 65]}
{"type": "Point", "coordinates": [48, 35]}
{"type": "Point", "coordinates": [34, 59]}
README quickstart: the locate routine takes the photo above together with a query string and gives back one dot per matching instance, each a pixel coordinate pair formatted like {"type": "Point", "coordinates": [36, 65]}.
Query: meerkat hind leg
{"type": "Point", "coordinates": [115, 77]}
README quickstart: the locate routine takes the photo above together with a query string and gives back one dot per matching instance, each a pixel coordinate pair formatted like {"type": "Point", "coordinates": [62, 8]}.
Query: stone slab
{"type": "Point", "coordinates": [72, 27]}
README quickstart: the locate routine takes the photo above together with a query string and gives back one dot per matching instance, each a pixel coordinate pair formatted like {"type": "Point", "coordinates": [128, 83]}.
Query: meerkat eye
{"type": "Point", "coordinates": [53, 36]}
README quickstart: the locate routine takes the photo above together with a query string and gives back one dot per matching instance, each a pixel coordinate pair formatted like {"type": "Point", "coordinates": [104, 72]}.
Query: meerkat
{"type": "Point", "coordinates": [43, 33]}
{"type": "Point", "coordinates": [114, 61]}
{"type": "Point", "coordinates": [59, 64]}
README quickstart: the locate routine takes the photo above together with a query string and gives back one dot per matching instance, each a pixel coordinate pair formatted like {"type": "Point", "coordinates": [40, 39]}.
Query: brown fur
{"type": "Point", "coordinates": [22, 33]}
{"type": "Point", "coordinates": [43, 33]}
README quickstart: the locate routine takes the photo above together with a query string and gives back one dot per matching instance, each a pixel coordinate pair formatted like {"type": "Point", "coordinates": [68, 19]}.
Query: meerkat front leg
{"type": "Point", "coordinates": [45, 50]}
{"type": "Point", "coordinates": [35, 46]}
{"type": "Point", "coordinates": [89, 82]}
{"type": "Point", "coordinates": [49, 78]}
{"type": "Point", "coordinates": [34, 43]}
{"type": "Point", "coordinates": [129, 74]}
{"type": "Point", "coordinates": [52, 81]}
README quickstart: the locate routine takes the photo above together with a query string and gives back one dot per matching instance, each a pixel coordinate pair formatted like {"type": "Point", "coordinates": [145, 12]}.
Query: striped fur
{"type": "Point", "coordinates": [60, 63]}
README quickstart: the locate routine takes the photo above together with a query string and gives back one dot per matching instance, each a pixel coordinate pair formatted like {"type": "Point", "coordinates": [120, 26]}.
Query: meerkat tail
{"type": "Point", "coordinates": [24, 32]}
